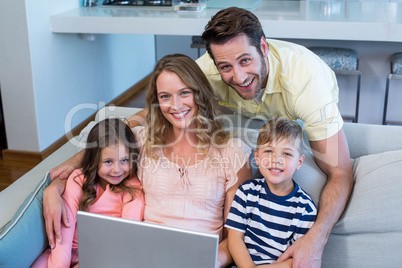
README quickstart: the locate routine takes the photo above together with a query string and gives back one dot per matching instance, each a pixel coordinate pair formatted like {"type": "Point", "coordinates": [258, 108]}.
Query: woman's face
{"type": "Point", "coordinates": [176, 100]}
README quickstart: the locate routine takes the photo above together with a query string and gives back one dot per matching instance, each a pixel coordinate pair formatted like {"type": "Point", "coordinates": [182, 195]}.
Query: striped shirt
{"type": "Point", "coordinates": [271, 223]}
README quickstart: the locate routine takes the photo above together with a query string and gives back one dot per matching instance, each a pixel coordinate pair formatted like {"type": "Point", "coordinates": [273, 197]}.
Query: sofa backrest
{"type": "Point", "coordinates": [363, 139]}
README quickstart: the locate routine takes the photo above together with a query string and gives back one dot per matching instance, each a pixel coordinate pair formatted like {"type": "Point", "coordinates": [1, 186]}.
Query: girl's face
{"type": "Point", "coordinates": [114, 165]}
{"type": "Point", "coordinates": [278, 162]}
{"type": "Point", "coordinates": [176, 100]}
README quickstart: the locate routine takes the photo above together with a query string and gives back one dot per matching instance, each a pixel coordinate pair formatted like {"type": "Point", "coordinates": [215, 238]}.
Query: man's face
{"type": "Point", "coordinates": [241, 66]}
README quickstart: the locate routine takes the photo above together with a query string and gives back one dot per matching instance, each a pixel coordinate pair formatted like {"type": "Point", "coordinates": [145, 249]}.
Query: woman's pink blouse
{"type": "Point", "coordinates": [193, 196]}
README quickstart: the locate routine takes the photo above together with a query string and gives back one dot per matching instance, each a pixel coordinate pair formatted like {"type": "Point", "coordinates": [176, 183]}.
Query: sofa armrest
{"type": "Point", "coordinates": [14, 195]}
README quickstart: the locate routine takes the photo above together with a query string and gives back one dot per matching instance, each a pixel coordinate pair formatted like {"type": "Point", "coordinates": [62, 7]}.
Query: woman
{"type": "Point", "coordinates": [189, 166]}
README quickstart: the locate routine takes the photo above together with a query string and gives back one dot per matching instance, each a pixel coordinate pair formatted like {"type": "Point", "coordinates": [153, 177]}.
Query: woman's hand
{"type": "Point", "coordinates": [64, 170]}
{"type": "Point", "coordinates": [54, 211]}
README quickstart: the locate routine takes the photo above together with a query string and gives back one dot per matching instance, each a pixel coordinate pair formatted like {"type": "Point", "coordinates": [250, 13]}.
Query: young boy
{"type": "Point", "coordinates": [268, 214]}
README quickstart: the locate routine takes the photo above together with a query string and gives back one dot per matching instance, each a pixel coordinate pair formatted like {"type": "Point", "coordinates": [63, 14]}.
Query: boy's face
{"type": "Point", "coordinates": [277, 162]}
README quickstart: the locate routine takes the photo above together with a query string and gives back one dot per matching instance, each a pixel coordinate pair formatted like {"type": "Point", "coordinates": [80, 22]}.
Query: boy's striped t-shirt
{"type": "Point", "coordinates": [271, 223]}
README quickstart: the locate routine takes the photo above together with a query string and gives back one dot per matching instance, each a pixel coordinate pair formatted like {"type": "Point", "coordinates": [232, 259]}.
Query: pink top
{"type": "Point", "coordinates": [190, 197]}
{"type": "Point", "coordinates": [107, 203]}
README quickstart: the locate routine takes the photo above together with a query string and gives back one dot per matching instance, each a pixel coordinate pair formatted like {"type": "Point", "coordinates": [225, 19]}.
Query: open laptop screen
{"type": "Point", "coordinates": [105, 241]}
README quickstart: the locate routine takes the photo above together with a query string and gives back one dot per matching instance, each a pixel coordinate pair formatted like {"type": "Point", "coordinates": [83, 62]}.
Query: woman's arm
{"type": "Point", "coordinates": [64, 170]}
{"type": "Point", "coordinates": [54, 210]}
{"type": "Point", "coordinates": [60, 255]}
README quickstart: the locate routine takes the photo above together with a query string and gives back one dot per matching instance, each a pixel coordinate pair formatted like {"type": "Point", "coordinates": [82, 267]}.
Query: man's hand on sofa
{"type": "Point", "coordinates": [64, 170]}
{"type": "Point", "coordinates": [54, 211]}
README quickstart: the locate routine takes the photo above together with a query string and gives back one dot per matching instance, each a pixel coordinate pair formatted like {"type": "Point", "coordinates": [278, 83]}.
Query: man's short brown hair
{"type": "Point", "coordinates": [229, 23]}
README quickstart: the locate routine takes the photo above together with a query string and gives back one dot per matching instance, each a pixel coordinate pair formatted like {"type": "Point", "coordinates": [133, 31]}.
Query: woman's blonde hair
{"type": "Point", "coordinates": [209, 128]}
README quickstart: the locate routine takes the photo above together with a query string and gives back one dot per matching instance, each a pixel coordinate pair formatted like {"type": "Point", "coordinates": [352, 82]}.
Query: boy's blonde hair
{"type": "Point", "coordinates": [278, 129]}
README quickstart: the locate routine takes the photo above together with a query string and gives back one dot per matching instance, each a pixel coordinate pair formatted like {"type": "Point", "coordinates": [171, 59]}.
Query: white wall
{"type": "Point", "coordinates": [45, 77]}
{"type": "Point", "coordinates": [374, 63]}
{"type": "Point", "coordinates": [15, 75]}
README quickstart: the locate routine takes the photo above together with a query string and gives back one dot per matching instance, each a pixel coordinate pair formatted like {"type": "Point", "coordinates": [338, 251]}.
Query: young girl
{"type": "Point", "coordinates": [106, 184]}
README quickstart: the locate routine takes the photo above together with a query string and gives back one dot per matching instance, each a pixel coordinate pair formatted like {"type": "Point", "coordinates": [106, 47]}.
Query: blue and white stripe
{"type": "Point", "coordinates": [271, 223]}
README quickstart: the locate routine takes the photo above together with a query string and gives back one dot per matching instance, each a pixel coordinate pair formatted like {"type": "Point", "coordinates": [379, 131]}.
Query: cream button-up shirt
{"type": "Point", "coordinates": [300, 86]}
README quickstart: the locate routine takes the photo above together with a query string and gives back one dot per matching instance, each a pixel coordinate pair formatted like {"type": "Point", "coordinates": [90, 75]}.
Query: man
{"type": "Point", "coordinates": [266, 78]}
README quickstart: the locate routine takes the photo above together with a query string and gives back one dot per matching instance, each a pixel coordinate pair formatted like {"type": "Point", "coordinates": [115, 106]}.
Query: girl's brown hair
{"type": "Point", "coordinates": [209, 128]}
{"type": "Point", "coordinates": [109, 132]}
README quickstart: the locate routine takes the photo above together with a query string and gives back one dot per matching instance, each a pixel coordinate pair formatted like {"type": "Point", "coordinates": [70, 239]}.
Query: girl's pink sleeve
{"type": "Point", "coordinates": [61, 254]}
{"type": "Point", "coordinates": [134, 210]}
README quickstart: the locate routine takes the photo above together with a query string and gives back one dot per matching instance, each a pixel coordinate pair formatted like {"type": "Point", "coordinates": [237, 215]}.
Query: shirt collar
{"type": "Point", "coordinates": [258, 98]}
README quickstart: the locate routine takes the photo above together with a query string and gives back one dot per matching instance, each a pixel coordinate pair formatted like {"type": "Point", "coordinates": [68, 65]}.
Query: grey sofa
{"type": "Point", "coordinates": [367, 235]}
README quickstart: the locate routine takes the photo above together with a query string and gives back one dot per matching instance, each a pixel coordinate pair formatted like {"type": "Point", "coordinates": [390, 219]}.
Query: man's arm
{"type": "Point", "coordinates": [332, 156]}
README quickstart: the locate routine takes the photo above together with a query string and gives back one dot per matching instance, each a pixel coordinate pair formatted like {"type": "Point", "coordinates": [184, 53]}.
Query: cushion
{"type": "Point", "coordinates": [310, 177]}
{"type": "Point", "coordinates": [23, 239]}
{"type": "Point", "coordinates": [396, 63]}
{"type": "Point", "coordinates": [376, 195]}
{"type": "Point", "coordinates": [337, 58]}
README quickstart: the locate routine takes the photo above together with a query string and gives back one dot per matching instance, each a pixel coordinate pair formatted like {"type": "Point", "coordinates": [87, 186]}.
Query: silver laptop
{"type": "Point", "coordinates": [105, 241]}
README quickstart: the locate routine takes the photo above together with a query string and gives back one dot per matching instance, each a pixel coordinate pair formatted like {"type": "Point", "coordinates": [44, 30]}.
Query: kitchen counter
{"type": "Point", "coordinates": [340, 20]}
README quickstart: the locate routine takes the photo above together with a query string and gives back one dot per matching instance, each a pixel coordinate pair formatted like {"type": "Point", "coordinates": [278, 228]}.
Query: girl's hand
{"type": "Point", "coordinates": [54, 211]}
